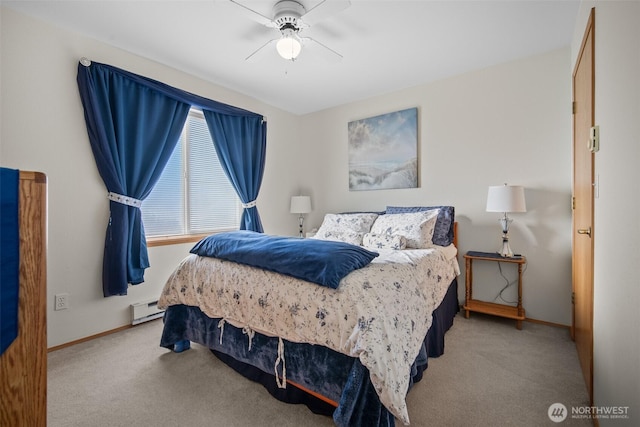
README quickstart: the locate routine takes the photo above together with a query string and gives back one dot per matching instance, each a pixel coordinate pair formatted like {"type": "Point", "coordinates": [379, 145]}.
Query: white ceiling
{"type": "Point", "coordinates": [386, 45]}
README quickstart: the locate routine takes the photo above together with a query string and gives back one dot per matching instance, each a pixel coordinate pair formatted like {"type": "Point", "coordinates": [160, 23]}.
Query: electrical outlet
{"type": "Point", "coordinates": [61, 301]}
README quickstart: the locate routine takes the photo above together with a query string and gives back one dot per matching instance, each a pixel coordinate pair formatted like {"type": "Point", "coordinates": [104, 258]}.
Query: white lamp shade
{"type": "Point", "coordinates": [289, 46]}
{"type": "Point", "coordinates": [300, 204]}
{"type": "Point", "coordinates": [506, 198]}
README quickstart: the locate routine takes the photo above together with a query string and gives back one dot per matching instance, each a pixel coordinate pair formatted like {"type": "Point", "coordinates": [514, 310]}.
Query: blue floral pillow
{"type": "Point", "coordinates": [416, 227]}
{"type": "Point", "coordinates": [384, 241]}
{"type": "Point", "coordinates": [345, 227]}
{"type": "Point", "coordinates": [342, 236]}
{"type": "Point", "coordinates": [443, 233]}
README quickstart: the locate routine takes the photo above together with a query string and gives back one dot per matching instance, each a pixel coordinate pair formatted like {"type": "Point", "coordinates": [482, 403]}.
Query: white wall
{"type": "Point", "coordinates": [616, 229]}
{"type": "Point", "coordinates": [43, 129]}
{"type": "Point", "coordinates": [507, 123]}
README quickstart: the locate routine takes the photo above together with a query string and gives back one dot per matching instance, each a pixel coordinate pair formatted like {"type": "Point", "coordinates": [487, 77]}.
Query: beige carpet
{"type": "Point", "coordinates": [490, 375]}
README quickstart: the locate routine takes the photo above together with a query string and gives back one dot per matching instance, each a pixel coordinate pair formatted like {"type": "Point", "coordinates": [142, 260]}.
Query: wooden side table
{"type": "Point", "coordinates": [494, 309]}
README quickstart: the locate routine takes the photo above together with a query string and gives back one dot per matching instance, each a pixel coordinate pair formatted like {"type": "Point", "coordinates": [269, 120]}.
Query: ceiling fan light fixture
{"type": "Point", "coordinates": [289, 46]}
{"type": "Point", "coordinates": [290, 17]}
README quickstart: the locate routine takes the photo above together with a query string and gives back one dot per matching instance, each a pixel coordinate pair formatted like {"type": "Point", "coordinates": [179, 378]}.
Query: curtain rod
{"type": "Point", "coordinates": [195, 100]}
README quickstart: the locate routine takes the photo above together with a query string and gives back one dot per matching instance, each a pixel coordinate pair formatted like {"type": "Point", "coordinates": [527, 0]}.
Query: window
{"type": "Point", "coordinates": [193, 195]}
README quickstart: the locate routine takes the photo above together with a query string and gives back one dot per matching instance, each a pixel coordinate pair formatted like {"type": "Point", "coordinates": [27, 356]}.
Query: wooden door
{"type": "Point", "coordinates": [583, 195]}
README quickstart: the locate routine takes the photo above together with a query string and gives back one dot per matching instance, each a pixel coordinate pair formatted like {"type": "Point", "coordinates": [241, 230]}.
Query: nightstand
{"type": "Point", "coordinates": [502, 310]}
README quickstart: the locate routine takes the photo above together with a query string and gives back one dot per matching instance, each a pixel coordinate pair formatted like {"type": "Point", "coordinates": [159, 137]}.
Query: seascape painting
{"type": "Point", "coordinates": [383, 151]}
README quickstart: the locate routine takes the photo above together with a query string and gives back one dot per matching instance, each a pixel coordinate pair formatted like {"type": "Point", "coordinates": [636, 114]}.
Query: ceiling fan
{"type": "Point", "coordinates": [290, 17]}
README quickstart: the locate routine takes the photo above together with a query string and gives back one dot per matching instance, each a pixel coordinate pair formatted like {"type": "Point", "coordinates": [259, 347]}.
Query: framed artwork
{"type": "Point", "coordinates": [383, 151]}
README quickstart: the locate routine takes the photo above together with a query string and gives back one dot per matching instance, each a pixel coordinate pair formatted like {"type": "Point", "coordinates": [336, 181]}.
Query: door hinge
{"type": "Point", "coordinates": [573, 107]}
{"type": "Point", "coordinates": [573, 297]}
{"type": "Point", "coordinates": [573, 203]}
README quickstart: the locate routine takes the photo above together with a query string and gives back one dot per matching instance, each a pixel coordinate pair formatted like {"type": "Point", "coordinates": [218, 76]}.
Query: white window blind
{"type": "Point", "coordinates": [193, 195]}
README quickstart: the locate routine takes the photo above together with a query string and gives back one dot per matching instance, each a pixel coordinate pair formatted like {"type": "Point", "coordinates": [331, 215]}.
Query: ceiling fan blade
{"type": "Point", "coordinates": [260, 52]}
{"type": "Point", "coordinates": [256, 16]}
{"type": "Point", "coordinates": [328, 53]}
{"type": "Point", "coordinates": [324, 9]}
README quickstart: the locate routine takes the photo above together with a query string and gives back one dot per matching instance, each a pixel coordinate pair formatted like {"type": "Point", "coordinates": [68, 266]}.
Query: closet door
{"type": "Point", "coordinates": [583, 194]}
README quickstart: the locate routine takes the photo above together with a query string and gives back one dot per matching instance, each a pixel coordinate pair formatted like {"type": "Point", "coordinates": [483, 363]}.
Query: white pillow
{"type": "Point", "coordinates": [344, 226]}
{"type": "Point", "coordinates": [384, 241]}
{"type": "Point", "coordinates": [416, 227]}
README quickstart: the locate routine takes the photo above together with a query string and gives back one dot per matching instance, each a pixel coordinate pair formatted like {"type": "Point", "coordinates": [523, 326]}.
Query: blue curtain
{"type": "Point", "coordinates": [132, 131]}
{"type": "Point", "coordinates": [133, 124]}
{"type": "Point", "coordinates": [241, 146]}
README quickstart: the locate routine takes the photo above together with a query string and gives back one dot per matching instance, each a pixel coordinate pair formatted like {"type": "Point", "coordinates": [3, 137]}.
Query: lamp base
{"type": "Point", "coordinates": [505, 251]}
{"type": "Point", "coordinates": [301, 224]}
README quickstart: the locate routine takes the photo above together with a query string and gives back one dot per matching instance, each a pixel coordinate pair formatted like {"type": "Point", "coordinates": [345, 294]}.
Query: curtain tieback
{"type": "Point", "coordinates": [250, 204]}
{"type": "Point", "coordinates": [125, 200]}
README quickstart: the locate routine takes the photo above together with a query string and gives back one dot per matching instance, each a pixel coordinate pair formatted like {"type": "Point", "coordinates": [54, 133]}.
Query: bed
{"type": "Point", "coordinates": [350, 342]}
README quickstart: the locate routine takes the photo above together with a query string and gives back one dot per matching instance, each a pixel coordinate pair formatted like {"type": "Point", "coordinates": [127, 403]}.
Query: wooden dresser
{"type": "Point", "coordinates": [23, 366]}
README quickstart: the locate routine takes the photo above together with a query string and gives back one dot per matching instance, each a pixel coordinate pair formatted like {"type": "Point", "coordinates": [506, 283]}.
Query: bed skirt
{"type": "Point", "coordinates": [337, 377]}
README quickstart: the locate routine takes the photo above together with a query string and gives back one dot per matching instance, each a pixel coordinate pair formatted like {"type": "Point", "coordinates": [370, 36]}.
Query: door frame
{"type": "Point", "coordinates": [585, 359]}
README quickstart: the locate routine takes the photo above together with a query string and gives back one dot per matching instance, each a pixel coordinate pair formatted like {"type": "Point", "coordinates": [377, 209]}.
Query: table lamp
{"type": "Point", "coordinates": [300, 205]}
{"type": "Point", "coordinates": [506, 198]}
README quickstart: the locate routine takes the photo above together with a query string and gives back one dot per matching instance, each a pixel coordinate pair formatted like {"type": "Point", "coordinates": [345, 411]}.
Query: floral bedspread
{"type": "Point", "coordinates": [379, 313]}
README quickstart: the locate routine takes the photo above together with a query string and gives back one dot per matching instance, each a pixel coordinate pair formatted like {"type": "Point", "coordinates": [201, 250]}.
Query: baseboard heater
{"type": "Point", "coordinates": [145, 311]}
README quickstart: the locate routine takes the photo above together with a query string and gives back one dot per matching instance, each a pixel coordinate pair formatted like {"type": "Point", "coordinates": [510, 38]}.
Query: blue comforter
{"type": "Point", "coordinates": [318, 261]}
